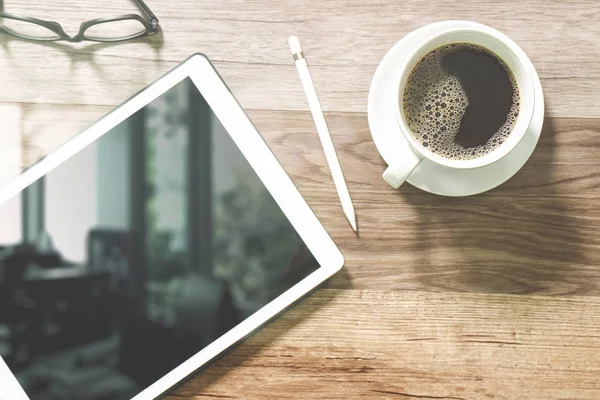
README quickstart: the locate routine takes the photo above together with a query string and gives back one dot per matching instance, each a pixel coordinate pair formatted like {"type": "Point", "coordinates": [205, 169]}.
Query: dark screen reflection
{"type": "Point", "coordinates": [138, 252]}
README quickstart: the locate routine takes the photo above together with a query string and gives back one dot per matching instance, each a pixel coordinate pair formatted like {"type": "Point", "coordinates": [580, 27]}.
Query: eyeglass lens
{"type": "Point", "coordinates": [109, 30]}
{"type": "Point", "coordinates": [27, 29]}
{"type": "Point", "coordinates": [115, 30]}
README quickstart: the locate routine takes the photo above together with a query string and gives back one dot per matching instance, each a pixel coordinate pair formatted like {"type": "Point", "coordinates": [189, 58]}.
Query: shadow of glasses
{"type": "Point", "coordinates": [86, 52]}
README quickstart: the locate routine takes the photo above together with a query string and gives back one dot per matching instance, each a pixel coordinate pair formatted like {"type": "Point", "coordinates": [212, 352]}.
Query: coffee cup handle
{"type": "Point", "coordinates": [399, 171]}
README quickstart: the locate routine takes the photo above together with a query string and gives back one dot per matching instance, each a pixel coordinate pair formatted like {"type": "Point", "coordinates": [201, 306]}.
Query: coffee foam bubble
{"type": "Point", "coordinates": [434, 103]}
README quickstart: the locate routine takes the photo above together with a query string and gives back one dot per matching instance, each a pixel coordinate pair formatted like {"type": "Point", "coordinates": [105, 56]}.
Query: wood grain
{"type": "Point", "coordinates": [344, 41]}
{"type": "Point", "coordinates": [495, 296]}
{"type": "Point", "coordinates": [537, 233]}
{"type": "Point", "coordinates": [415, 345]}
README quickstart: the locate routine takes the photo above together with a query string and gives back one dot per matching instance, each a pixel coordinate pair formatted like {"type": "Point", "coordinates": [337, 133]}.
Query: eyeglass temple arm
{"type": "Point", "coordinates": [141, 5]}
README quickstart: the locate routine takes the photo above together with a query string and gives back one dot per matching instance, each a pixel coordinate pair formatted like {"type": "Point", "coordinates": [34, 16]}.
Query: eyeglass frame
{"type": "Point", "coordinates": [151, 25]}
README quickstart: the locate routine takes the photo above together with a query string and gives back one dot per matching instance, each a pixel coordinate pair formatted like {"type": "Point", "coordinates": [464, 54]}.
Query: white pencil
{"type": "Point", "coordinates": [322, 130]}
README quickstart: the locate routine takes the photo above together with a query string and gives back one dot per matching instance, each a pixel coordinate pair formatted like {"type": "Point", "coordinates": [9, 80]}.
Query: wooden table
{"type": "Point", "coordinates": [496, 296]}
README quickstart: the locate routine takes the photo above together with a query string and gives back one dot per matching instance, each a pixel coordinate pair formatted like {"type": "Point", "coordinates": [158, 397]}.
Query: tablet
{"type": "Point", "coordinates": [149, 244]}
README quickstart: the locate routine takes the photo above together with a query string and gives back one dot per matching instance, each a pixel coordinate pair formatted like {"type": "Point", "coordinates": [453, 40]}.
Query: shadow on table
{"type": "Point", "coordinates": [85, 51]}
{"type": "Point", "coordinates": [205, 379]}
{"type": "Point", "coordinates": [521, 237]}
{"type": "Point", "coordinates": [341, 280]}
{"type": "Point", "coordinates": [78, 55]}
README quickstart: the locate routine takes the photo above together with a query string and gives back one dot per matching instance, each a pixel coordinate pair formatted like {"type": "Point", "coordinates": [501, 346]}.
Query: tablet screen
{"type": "Point", "coordinates": [138, 252]}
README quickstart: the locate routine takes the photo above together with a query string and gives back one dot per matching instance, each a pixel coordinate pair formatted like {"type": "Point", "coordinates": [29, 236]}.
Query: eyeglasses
{"type": "Point", "coordinates": [106, 29]}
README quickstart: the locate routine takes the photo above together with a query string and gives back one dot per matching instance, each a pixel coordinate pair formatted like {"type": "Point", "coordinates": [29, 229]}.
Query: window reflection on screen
{"type": "Point", "coordinates": [138, 252]}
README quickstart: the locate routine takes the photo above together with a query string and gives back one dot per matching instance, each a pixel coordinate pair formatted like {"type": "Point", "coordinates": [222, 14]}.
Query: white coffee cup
{"type": "Point", "coordinates": [410, 155]}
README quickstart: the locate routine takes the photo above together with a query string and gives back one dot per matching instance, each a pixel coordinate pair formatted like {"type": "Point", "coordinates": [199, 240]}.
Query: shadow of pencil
{"type": "Point", "coordinates": [203, 381]}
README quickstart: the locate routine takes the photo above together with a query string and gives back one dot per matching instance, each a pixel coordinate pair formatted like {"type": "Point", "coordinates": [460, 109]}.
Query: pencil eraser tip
{"type": "Point", "coordinates": [294, 44]}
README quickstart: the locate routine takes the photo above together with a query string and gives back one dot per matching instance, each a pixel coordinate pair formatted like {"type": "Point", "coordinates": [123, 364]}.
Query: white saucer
{"type": "Point", "coordinates": [429, 176]}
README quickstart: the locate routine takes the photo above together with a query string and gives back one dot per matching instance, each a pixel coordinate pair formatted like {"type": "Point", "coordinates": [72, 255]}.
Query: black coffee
{"type": "Point", "coordinates": [461, 101]}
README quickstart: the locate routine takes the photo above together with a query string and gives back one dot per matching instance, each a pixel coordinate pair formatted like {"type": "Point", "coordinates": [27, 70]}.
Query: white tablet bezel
{"type": "Point", "coordinates": [199, 69]}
